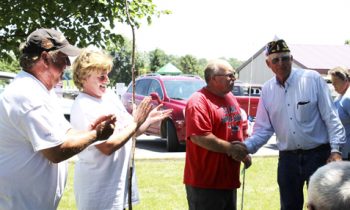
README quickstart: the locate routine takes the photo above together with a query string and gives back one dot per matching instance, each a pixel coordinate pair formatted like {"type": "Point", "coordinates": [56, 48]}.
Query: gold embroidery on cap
{"type": "Point", "coordinates": [46, 44]}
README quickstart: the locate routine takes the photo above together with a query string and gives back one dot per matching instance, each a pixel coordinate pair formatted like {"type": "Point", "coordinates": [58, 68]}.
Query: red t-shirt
{"type": "Point", "coordinates": [208, 113]}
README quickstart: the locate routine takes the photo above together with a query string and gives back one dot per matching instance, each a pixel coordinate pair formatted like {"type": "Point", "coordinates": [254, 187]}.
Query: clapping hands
{"type": "Point", "coordinates": [141, 112]}
{"type": "Point", "coordinates": [158, 115]}
{"type": "Point", "coordinates": [104, 126]}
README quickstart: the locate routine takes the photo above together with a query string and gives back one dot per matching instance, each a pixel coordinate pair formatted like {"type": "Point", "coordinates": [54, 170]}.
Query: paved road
{"type": "Point", "coordinates": [151, 147]}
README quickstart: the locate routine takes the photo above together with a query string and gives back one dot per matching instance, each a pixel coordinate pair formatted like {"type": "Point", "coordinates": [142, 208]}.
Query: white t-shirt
{"type": "Point", "coordinates": [30, 120]}
{"type": "Point", "coordinates": [100, 181]}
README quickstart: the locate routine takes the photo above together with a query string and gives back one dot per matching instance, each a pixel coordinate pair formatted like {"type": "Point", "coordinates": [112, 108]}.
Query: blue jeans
{"type": "Point", "coordinates": [294, 169]}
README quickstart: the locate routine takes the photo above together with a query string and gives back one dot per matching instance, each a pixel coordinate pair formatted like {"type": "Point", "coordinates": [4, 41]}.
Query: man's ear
{"type": "Point", "coordinates": [267, 62]}
{"type": "Point", "coordinates": [44, 56]}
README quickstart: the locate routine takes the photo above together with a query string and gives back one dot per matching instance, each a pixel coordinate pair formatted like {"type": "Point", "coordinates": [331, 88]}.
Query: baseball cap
{"type": "Point", "coordinates": [48, 40]}
{"type": "Point", "coordinates": [276, 47]}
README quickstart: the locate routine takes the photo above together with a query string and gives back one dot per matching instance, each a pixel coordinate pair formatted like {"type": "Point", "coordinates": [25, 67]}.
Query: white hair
{"type": "Point", "coordinates": [329, 187]}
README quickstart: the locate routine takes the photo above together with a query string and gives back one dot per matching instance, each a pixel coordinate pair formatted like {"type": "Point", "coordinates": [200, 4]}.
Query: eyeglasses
{"type": "Point", "coordinates": [285, 58]}
{"type": "Point", "coordinates": [230, 75]}
{"type": "Point", "coordinates": [103, 77]}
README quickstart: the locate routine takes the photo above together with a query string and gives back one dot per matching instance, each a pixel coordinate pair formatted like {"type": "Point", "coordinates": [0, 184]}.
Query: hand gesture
{"type": "Point", "coordinates": [102, 118]}
{"type": "Point", "coordinates": [247, 161]}
{"type": "Point", "coordinates": [237, 151]}
{"type": "Point", "coordinates": [141, 112]}
{"type": "Point", "coordinates": [105, 128]}
{"type": "Point", "coordinates": [158, 115]}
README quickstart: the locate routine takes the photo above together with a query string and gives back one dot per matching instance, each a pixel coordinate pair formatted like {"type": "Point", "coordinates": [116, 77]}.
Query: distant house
{"type": "Point", "coordinates": [320, 58]}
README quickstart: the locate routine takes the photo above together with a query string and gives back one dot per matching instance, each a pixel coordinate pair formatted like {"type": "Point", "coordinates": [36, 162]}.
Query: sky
{"type": "Point", "coordinates": [239, 28]}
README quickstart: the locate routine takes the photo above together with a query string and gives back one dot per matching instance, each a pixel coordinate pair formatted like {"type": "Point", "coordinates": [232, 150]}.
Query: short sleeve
{"type": "Point", "coordinates": [197, 118]}
{"type": "Point", "coordinates": [44, 127]}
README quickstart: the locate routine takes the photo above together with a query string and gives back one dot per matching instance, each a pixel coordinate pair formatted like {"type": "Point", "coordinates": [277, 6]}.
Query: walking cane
{"type": "Point", "coordinates": [243, 183]}
{"type": "Point", "coordinates": [132, 152]}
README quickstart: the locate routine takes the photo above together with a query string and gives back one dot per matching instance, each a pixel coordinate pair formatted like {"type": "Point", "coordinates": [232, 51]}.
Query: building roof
{"type": "Point", "coordinates": [316, 57]}
{"type": "Point", "coordinates": [321, 57]}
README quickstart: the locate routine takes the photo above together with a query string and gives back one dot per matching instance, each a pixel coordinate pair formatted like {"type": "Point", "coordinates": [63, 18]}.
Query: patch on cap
{"type": "Point", "coordinates": [276, 47]}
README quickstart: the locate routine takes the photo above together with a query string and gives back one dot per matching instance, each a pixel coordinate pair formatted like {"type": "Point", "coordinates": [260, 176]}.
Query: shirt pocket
{"type": "Point", "coordinates": [304, 111]}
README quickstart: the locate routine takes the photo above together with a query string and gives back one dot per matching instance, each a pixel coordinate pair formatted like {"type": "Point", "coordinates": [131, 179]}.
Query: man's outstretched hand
{"type": "Point", "coordinates": [238, 151]}
{"type": "Point", "coordinates": [104, 126]}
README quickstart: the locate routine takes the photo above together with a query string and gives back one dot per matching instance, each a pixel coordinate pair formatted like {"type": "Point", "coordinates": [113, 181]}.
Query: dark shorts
{"type": "Point", "coordinates": [209, 199]}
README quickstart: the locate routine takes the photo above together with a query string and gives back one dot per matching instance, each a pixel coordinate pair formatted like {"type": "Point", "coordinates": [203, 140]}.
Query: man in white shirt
{"type": "Point", "coordinates": [35, 138]}
{"type": "Point", "coordinates": [297, 106]}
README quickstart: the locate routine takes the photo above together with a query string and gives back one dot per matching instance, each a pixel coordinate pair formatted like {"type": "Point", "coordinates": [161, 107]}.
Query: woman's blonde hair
{"type": "Point", "coordinates": [90, 61]}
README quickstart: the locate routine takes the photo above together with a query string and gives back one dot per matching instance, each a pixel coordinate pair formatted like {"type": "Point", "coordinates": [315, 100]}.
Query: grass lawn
{"type": "Point", "coordinates": [161, 188]}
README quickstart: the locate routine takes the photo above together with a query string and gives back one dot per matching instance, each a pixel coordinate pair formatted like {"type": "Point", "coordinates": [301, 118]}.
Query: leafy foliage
{"type": "Point", "coordinates": [83, 22]}
{"type": "Point", "coordinates": [10, 64]}
{"type": "Point", "coordinates": [157, 59]}
{"type": "Point", "coordinates": [121, 71]}
{"type": "Point", "coordinates": [189, 64]}
{"type": "Point", "coordinates": [235, 63]}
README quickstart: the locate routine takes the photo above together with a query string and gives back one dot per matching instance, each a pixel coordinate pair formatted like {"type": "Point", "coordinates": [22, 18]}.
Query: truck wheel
{"type": "Point", "coordinates": [172, 141]}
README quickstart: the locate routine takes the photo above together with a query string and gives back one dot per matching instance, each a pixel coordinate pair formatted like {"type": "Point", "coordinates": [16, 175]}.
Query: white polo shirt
{"type": "Point", "coordinates": [30, 120]}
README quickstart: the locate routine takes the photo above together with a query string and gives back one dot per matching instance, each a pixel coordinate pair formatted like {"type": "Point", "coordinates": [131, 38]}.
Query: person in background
{"type": "Point", "coordinates": [213, 126]}
{"type": "Point", "coordinates": [101, 172]}
{"type": "Point", "coordinates": [296, 105]}
{"type": "Point", "coordinates": [329, 187]}
{"type": "Point", "coordinates": [245, 124]}
{"type": "Point", "coordinates": [35, 138]}
{"type": "Point", "coordinates": [340, 80]}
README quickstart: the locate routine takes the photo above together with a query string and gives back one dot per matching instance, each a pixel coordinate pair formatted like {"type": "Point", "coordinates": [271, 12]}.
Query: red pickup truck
{"type": "Point", "coordinates": [247, 96]}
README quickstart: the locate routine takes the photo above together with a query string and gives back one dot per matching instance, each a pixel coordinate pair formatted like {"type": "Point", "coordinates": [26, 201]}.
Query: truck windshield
{"type": "Point", "coordinates": [182, 89]}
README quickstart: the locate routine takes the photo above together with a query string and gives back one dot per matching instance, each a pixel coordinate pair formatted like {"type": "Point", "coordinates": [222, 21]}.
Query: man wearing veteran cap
{"type": "Point", "coordinates": [35, 138]}
{"type": "Point", "coordinates": [296, 105]}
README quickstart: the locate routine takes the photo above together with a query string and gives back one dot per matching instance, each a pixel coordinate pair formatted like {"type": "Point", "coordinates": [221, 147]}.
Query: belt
{"type": "Point", "coordinates": [322, 147]}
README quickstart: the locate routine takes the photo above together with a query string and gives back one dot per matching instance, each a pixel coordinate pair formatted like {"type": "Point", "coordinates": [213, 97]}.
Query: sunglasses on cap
{"type": "Point", "coordinates": [285, 58]}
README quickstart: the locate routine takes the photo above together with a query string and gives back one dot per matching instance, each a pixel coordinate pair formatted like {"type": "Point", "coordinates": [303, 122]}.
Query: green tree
{"type": "Point", "coordinates": [83, 22]}
{"type": "Point", "coordinates": [157, 59]}
{"type": "Point", "coordinates": [121, 71]}
{"type": "Point", "coordinates": [202, 63]}
{"type": "Point", "coordinates": [175, 60]}
{"type": "Point", "coordinates": [189, 64]}
{"type": "Point", "coordinates": [347, 42]}
{"type": "Point", "coordinates": [235, 63]}
{"type": "Point", "coordinates": [9, 64]}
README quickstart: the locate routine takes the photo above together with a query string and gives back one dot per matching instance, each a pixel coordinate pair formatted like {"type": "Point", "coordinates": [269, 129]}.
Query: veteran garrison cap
{"type": "Point", "coordinates": [48, 40]}
{"type": "Point", "coordinates": [276, 47]}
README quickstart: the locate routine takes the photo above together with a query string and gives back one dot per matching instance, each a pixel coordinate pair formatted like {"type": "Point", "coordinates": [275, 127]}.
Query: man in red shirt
{"type": "Point", "coordinates": [213, 125]}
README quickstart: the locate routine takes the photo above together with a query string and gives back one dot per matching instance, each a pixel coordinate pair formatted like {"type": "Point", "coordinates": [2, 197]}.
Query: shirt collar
{"type": "Point", "coordinates": [289, 80]}
{"type": "Point", "coordinates": [23, 73]}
